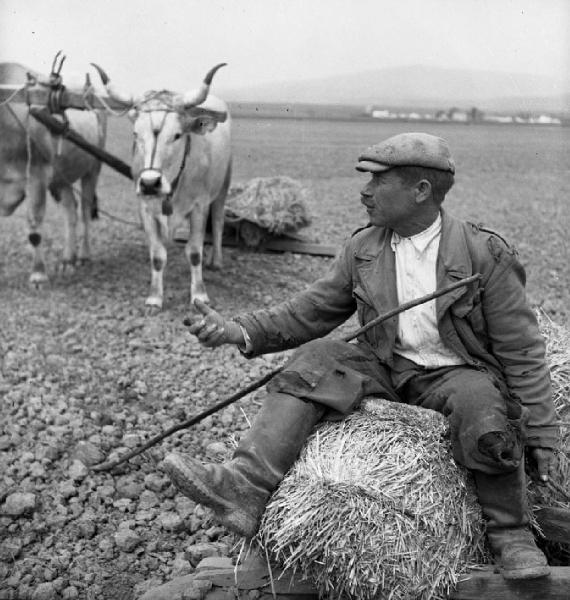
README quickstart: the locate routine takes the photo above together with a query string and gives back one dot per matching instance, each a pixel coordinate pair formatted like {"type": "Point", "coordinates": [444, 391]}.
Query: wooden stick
{"type": "Point", "coordinates": [412, 304]}
{"type": "Point", "coordinates": [58, 128]}
{"type": "Point", "coordinates": [107, 466]}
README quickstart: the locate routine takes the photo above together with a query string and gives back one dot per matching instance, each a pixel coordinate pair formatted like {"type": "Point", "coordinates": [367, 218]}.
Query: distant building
{"type": "Point", "coordinates": [455, 114]}
{"type": "Point", "coordinates": [499, 119]}
{"type": "Point", "coordinates": [546, 120]}
{"type": "Point", "coordinates": [382, 114]}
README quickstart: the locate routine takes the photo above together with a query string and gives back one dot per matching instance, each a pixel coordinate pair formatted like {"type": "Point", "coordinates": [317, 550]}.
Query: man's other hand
{"type": "Point", "coordinates": [211, 329]}
{"type": "Point", "coordinates": [543, 461]}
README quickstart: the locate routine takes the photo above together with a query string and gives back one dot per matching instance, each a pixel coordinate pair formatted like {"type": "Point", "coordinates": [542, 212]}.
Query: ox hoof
{"type": "Point", "coordinates": [38, 279]}
{"type": "Point", "coordinates": [67, 266]}
{"type": "Point", "coordinates": [151, 311]}
{"type": "Point", "coordinates": [215, 266]}
{"type": "Point", "coordinates": [202, 297]}
{"type": "Point", "coordinates": [153, 304]}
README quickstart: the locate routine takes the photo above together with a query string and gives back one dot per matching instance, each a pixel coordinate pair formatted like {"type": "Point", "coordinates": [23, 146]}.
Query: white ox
{"type": "Point", "coordinates": [182, 167]}
{"type": "Point", "coordinates": [33, 161]}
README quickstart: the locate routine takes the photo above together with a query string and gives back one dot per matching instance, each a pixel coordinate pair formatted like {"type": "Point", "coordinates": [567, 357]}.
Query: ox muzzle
{"type": "Point", "coordinates": [151, 182]}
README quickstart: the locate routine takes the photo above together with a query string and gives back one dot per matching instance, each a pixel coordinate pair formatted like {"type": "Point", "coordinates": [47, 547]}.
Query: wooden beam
{"type": "Point", "coordinates": [285, 245]}
{"type": "Point", "coordinates": [555, 524]}
{"type": "Point", "coordinates": [482, 584]}
{"type": "Point", "coordinates": [260, 579]}
{"type": "Point", "coordinates": [40, 95]}
{"type": "Point", "coordinates": [488, 585]}
{"type": "Point", "coordinates": [58, 128]}
{"type": "Point", "coordinates": [281, 244]}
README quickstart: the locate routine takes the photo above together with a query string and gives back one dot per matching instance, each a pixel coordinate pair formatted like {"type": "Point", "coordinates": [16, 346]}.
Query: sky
{"type": "Point", "coordinates": [157, 44]}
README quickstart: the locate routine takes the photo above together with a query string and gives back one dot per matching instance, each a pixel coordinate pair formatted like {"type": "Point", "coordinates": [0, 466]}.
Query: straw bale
{"type": "Point", "coordinates": [375, 507]}
{"type": "Point", "coordinates": [276, 204]}
{"type": "Point", "coordinates": [557, 492]}
{"type": "Point", "coordinates": [557, 340]}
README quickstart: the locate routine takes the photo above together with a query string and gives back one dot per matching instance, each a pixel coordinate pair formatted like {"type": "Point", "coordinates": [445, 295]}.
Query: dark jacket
{"type": "Point", "coordinates": [489, 323]}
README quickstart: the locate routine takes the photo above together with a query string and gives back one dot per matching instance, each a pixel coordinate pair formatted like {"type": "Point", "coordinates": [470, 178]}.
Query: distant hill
{"type": "Point", "coordinates": [413, 86]}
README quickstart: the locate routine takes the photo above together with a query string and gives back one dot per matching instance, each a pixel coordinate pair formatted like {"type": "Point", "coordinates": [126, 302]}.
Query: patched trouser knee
{"type": "Point", "coordinates": [334, 373]}
{"type": "Point", "coordinates": [487, 426]}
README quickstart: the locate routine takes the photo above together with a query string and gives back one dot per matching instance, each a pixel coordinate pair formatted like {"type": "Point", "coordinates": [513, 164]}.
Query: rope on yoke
{"type": "Point", "coordinates": [107, 466]}
{"type": "Point", "coordinates": [12, 96]}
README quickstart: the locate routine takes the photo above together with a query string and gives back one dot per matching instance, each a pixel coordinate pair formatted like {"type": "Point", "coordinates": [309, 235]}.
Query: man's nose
{"type": "Point", "coordinates": [365, 192]}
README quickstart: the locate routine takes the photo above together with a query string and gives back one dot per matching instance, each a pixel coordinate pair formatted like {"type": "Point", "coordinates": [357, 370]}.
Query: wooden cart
{"type": "Point", "coordinates": [253, 579]}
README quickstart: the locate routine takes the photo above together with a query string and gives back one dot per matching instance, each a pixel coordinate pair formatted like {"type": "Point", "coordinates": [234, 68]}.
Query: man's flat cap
{"type": "Point", "coordinates": [407, 149]}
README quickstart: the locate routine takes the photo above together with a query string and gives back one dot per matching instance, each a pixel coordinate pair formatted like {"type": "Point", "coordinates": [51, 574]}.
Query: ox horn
{"type": "Point", "coordinates": [126, 99]}
{"type": "Point", "coordinates": [198, 96]}
{"type": "Point", "coordinates": [56, 70]}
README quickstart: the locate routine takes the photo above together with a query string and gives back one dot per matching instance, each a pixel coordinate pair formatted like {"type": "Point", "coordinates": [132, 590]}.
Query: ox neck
{"type": "Point", "coordinates": [167, 202]}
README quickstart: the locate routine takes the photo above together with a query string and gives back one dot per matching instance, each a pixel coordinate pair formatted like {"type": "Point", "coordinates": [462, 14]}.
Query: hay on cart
{"type": "Point", "coordinates": [266, 206]}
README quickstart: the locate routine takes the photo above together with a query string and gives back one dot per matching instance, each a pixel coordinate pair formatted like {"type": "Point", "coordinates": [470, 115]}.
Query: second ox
{"type": "Point", "coordinates": [33, 161]}
{"type": "Point", "coordinates": [182, 169]}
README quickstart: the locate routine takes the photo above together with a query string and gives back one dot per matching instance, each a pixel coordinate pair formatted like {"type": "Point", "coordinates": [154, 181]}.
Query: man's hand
{"type": "Point", "coordinates": [543, 459]}
{"type": "Point", "coordinates": [211, 329]}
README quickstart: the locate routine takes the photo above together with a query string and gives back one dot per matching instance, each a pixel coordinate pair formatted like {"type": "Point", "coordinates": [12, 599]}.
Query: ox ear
{"type": "Point", "coordinates": [203, 125]}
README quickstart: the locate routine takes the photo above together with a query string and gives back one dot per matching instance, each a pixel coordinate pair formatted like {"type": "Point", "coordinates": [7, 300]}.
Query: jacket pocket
{"type": "Point", "coordinates": [476, 319]}
{"type": "Point", "coordinates": [473, 325]}
{"type": "Point", "coordinates": [364, 307]}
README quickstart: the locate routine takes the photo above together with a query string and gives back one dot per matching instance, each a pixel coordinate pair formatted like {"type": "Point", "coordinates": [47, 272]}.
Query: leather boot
{"type": "Point", "coordinates": [237, 491]}
{"type": "Point", "coordinates": [504, 503]}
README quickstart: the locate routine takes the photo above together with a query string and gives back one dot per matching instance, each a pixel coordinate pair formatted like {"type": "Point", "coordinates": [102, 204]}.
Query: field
{"type": "Point", "coordinates": [85, 369]}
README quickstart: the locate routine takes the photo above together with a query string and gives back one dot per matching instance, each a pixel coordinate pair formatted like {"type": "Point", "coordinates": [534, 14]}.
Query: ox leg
{"type": "Point", "coordinates": [36, 192]}
{"type": "Point", "coordinates": [194, 251]}
{"type": "Point", "coordinates": [217, 211]}
{"type": "Point", "coordinates": [88, 184]}
{"type": "Point", "coordinates": [156, 228]}
{"type": "Point", "coordinates": [69, 208]}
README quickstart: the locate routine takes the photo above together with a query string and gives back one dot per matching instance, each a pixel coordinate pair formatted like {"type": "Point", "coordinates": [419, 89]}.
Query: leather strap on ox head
{"type": "Point", "coordinates": [167, 200]}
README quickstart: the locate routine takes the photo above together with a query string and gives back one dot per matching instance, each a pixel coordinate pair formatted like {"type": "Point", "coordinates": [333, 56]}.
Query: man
{"type": "Point", "coordinates": [474, 355]}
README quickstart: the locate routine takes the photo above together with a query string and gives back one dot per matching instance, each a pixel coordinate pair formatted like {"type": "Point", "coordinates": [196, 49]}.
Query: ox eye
{"type": "Point", "coordinates": [177, 136]}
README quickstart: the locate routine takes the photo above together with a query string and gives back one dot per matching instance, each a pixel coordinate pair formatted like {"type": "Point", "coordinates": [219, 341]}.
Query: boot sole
{"type": "Point", "coordinates": [230, 515]}
{"type": "Point", "coordinates": [527, 573]}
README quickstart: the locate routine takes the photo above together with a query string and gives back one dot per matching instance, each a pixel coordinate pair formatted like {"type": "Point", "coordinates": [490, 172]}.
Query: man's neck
{"type": "Point", "coordinates": [419, 224]}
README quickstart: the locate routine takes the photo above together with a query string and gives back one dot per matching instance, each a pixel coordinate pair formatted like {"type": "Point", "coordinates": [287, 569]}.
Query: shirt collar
{"type": "Point", "coordinates": [421, 240]}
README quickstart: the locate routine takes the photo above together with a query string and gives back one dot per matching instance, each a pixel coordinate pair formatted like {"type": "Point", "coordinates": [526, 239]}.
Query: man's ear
{"type": "Point", "coordinates": [423, 191]}
{"type": "Point", "coordinates": [203, 125]}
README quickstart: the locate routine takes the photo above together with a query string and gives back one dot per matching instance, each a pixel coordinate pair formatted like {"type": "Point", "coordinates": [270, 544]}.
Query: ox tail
{"type": "Point", "coordinates": [95, 208]}
{"type": "Point", "coordinates": [227, 180]}
{"type": "Point", "coordinates": [221, 194]}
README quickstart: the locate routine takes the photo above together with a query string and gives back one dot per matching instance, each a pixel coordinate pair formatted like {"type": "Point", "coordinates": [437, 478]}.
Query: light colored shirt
{"type": "Point", "coordinates": [417, 337]}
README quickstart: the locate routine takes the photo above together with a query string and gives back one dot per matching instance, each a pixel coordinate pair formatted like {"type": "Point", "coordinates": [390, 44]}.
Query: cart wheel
{"type": "Point", "coordinates": [251, 234]}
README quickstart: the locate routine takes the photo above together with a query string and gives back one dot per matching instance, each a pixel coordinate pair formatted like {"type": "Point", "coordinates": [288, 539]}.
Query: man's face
{"type": "Point", "coordinates": [389, 202]}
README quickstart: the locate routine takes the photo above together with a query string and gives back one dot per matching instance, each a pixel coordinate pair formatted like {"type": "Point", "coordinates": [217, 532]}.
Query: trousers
{"type": "Point", "coordinates": [475, 401]}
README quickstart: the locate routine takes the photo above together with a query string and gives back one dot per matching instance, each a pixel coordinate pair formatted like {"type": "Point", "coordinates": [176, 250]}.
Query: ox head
{"type": "Point", "coordinates": [163, 122]}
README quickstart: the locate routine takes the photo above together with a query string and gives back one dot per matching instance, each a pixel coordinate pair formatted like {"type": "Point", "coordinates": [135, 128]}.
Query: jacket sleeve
{"type": "Point", "coordinates": [310, 314]}
{"type": "Point", "coordinates": [518, 345]}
